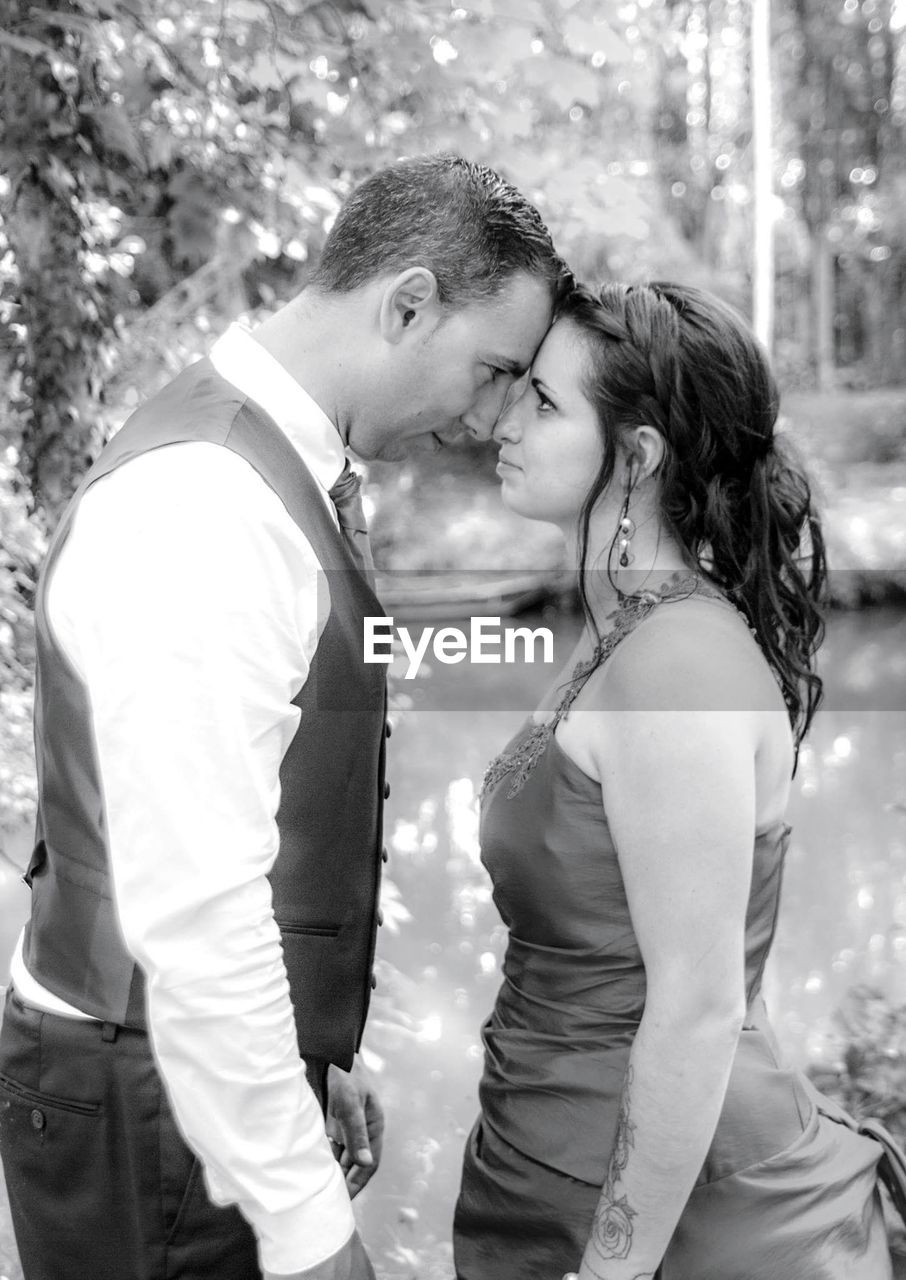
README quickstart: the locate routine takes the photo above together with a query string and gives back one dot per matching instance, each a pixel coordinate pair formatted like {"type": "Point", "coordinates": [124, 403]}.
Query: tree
{"type": "Point", "coordinates": [167, 156]}
{"type": "Point", "coordinates": [842, 73]}
{"type": "Point", "coordinates": [763, 174]}
{"type": "Point", "coordinates": [119, 118]}
{"type": "Point", "coordinates": [156, 149]}
{"type": "Point", "coordinates": [53, 119]}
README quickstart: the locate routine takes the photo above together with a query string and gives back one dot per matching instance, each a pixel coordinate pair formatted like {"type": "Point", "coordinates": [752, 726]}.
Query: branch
{"type": "Point", "coordinates": [175, 59]}
{"type": "Point", "coordinates": [28, 45]}
{"type": "Point", "coordinates": [176, 306]}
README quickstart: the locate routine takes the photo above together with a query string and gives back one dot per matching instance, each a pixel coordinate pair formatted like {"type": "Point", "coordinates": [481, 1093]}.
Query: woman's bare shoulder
{"type": "Point", "coordinates": [689, 655]}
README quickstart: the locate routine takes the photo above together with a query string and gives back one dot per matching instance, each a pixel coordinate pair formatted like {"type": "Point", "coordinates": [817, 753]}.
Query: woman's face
{"type": "Point", "coordinates": [550, 441]}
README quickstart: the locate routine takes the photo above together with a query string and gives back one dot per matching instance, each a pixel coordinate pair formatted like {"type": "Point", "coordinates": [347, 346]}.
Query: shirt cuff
{"type": "Point", "coordinates": [309, 1233]}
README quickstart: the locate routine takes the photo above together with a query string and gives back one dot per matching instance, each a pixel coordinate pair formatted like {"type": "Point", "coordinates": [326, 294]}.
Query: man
{"type": "Point", "coordinates": [210, 754]}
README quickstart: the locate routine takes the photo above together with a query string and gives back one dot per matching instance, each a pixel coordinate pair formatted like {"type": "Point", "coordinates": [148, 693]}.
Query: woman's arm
{"type": "Point", "coordinates": [672, 1096]}
{"type": "Point", "coordinates": [679, 792]}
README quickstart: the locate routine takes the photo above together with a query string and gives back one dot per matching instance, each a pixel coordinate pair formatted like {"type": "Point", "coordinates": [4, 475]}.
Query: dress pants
{"type": "Point", "coordinates": [101, 1184]}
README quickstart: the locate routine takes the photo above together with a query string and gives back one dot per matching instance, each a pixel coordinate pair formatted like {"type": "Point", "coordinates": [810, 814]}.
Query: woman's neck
{"type": "Point", "coordinates": [655, 557]}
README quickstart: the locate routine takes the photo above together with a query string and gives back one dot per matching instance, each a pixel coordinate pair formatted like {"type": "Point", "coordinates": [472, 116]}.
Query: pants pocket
{"type": "Point", "coordinates": [32, 1120]}
{"type": "Point", "coordinates": [179, 1168]}
{"type": "Point", "coordinates": [191, 1193]}
{"type": "Point", "coordinates": [47, 1142]}
{"type": "Point", "coordinates": [40, 1101]}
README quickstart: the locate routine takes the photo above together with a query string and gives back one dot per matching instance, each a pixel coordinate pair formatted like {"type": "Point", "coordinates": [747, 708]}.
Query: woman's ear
{"type": "Point", "coordinates": [409, 304]}
{"type": "Point", "coordinates": [646, 450]}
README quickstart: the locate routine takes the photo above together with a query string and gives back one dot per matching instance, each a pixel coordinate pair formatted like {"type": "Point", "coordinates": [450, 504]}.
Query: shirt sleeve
{"type": "Point", "coordinates": [187, 599]}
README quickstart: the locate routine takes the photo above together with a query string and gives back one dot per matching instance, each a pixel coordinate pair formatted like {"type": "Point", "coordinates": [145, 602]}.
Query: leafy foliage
{"type": "Point", "coordinates": [145, 140]}
{"type": "Point", "coordinates": [843, 114]}
{"type": "Point", "coordinates": [870, 1079]}
{"type": "Point", "coordinates": [21, 549]}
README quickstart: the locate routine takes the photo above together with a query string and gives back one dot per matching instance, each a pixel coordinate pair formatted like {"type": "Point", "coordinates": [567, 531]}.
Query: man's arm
{"type": "Point", "coordinates": [351, 1263]}
{"type": "Point", "coordinates": [193, 627]}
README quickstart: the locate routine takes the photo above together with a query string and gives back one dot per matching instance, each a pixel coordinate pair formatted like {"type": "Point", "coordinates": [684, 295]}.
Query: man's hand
{"type": "Point", "coordinates": [350, 1263]}
{"type": "Point", "coordinates": [355, 1124]}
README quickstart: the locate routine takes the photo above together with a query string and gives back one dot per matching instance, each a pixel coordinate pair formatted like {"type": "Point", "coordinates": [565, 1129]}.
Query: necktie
{"type": "Point", "coordinates": [347, 499]}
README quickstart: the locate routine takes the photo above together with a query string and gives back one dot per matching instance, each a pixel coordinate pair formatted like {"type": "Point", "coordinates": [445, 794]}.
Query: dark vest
{"type": "Point", "coordinates": [326, 876]}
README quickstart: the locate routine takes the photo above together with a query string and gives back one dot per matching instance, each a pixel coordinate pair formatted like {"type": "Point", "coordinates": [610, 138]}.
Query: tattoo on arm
{"type": "Point", "coordinates": [612, 1229]}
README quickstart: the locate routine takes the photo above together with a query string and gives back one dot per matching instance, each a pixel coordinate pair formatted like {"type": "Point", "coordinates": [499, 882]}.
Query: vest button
{"type": "Point", "coordinates": [38, 1120]}
{"type": "Point", "coordinates": [385, 854]}
{"type": "Point", "coordinates": [380, 917]}
{"type": "Point", "coordinates": [388, 729]}
{"type": "Point", "coordinates": [373, 981]}
{"type": "Point", "coordinates": [386, 790]}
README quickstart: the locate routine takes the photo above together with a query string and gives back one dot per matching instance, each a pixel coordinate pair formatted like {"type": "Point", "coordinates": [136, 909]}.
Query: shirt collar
{"type": "Point", "coordinates": [239, 358]}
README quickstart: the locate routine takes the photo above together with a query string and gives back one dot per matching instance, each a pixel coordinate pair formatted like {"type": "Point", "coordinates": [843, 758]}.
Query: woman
{"type": "Point", "coordinates": [636, 1119]}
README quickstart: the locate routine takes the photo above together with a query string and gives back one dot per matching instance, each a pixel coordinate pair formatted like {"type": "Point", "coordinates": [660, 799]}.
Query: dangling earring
{"type": "Point", "coordinates": [625, 530]}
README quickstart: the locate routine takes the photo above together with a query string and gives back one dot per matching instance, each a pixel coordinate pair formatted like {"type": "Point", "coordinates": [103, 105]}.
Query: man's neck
{"type": "Point", "coordinates": [305, 337]}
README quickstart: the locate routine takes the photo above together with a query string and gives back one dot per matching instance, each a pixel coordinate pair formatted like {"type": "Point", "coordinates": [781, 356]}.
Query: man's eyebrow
{"type": "Point", "coordinates": [510, 366]}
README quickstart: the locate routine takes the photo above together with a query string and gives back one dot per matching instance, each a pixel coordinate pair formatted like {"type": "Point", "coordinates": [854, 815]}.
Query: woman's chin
{"type": "Point", "coordinates": [512, 503]}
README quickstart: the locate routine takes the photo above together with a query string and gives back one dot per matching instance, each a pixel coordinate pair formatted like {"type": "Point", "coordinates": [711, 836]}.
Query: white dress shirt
{"type": "Point", "coordinates": [186, 598]}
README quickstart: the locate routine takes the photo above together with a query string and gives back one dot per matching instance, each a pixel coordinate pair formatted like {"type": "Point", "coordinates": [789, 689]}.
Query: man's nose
{"type": "Point", "coordinates": [484, 414]}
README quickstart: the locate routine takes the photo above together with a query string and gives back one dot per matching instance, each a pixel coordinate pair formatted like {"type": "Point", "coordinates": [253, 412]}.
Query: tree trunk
{"type": "Point", "coordinates": [876, 300]}
{"type": "Point", "coordinates": [60, 307]}
{"type": "Point", "coordinates": [763, 240]}
{"type": "Point", "coordinates": [60, 435]}
{"type": "Point", "coordinates": [822, 336]}
{"type": "Point", "coordinates": [707, 77]}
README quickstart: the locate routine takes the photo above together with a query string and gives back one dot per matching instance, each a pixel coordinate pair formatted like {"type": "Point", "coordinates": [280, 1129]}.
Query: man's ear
{"type": "Point", "coordinates": [409, 304]}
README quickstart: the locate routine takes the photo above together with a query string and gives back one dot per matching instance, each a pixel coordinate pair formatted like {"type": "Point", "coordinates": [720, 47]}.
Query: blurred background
{"type": "Point", "coordinates": [169, 167]}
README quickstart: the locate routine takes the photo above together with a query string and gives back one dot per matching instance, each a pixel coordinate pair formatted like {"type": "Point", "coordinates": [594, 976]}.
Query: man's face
{"type": "Point", "coordinates": [455, 376]}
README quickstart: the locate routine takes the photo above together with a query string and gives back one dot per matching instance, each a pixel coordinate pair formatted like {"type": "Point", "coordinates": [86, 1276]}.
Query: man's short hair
{"type": "Point", "coordinates": [459, 219]}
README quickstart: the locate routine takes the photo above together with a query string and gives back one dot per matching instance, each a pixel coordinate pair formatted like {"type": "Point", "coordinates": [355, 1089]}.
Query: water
{"type": "Point", "coordinates": [843, 918]}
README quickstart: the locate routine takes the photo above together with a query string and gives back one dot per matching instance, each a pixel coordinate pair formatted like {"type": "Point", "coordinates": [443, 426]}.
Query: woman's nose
{"type": "Point", "coordinates": [507, 425]}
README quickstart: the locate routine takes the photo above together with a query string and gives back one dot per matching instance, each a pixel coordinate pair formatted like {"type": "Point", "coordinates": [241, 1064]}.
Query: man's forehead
{"type": "Point", "coordinates": [526, 307]}
{"type": "Point", "coordinates": [525, 292]}
{"type": "Point", "coordinates": [509, 327]}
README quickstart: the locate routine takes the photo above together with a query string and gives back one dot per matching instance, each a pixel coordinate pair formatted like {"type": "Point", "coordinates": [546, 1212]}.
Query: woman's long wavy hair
{"type": "Point", "coordinates": [682, 361]}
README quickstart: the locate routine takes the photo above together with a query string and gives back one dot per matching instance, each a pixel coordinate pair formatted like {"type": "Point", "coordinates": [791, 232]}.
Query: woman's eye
{"type": "Point", "coordinates": [544, 402]}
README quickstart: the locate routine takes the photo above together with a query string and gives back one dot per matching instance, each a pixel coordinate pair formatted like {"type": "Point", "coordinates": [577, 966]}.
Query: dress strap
{"type": "Point", "coordinates": [629, 612]}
